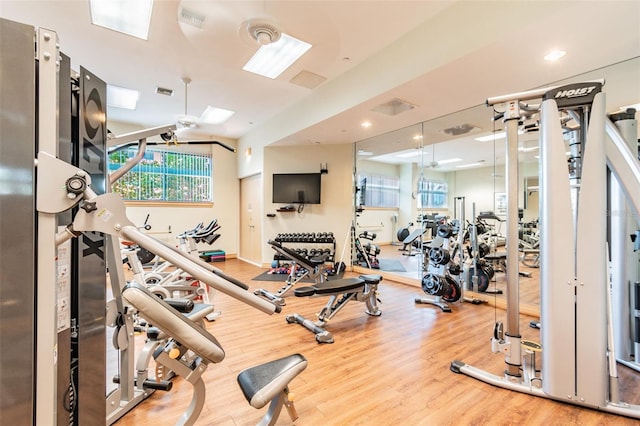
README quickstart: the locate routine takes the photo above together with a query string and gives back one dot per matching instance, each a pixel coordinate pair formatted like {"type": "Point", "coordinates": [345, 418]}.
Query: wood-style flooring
{"type": "Point", "coordinates": [387, 370]}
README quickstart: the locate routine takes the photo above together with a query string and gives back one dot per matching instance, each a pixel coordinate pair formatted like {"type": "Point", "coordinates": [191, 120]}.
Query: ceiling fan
{"type": "Point", "coordinates": [186, 121]}
{"type": "Point", "coordinates": [210, 116]}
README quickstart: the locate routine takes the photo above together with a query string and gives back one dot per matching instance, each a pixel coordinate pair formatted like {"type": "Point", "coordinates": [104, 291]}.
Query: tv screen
{"type": "Point", "coordinates": [298, 188]}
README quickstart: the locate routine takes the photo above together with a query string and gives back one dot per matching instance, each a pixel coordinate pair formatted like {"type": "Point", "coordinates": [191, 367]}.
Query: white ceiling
{"type": "Point", "coordinates": [441, 56]}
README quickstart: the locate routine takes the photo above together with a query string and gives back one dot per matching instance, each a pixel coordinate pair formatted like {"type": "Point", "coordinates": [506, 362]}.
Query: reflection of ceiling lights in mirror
{"type": "Point", "coordinates": [464, 166]}
{"type": "Point", "coordinates": [409, 154]}
{"type": "Point", "coordinates": [531, 148]}
{"type": "Point", "coordinates": [417, 137]}
{"type": "Point", "coordinates": [461, 129]}
{"type": "Point", "coordinates": [449, 161]}
{"type": "Point", "coordinates": [365, 153]}
{"type": "Point", "coordinates": [495, 136]}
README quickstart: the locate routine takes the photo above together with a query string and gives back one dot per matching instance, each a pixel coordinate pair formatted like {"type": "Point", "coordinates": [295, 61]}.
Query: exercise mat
{"type": "Point", "coordinates": [391, 265]}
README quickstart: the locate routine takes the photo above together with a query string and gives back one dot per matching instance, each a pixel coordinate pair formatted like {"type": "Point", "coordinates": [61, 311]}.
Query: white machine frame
{"type": "Point", "coordinates": [578, 350]}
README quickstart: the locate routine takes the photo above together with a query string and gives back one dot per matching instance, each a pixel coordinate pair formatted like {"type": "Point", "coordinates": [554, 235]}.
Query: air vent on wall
{"type": "Point", "coordinates": [164, 91]}
{"type": "Point", "coordinates": [191, 17]}
{"type": "Point", "coordinates": [307, 79]}
{"type": "Point", "coordinates": [393, 107]}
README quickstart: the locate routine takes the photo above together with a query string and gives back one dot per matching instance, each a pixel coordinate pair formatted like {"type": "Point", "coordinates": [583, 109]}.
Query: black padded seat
{"type": "Point", "coordinates": [262, 383]}
{"type": "Point", "coordinates": [330, 287]}
{"type": "Point", "coordinates": [371, 278]}
{"type": "Point", "coordinates": [304, 291]}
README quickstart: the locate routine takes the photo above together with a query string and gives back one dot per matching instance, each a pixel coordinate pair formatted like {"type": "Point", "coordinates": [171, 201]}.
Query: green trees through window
{"type": "Point", "coordinates": [165, 176]}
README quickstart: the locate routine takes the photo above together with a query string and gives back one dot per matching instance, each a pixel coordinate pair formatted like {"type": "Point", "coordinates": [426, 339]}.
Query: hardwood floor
{"type": "Point", "coordinates": [387, 370]}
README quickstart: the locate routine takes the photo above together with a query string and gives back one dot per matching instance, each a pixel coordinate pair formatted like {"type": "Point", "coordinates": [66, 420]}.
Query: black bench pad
{"type": "Point", "coordinates": [371, 278]}
{"type": "Point", "coordinates": [330, 287]}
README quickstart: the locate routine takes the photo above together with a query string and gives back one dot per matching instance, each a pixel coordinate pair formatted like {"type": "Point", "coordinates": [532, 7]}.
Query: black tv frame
{"type": "Point", "coordinates": [296, 188]}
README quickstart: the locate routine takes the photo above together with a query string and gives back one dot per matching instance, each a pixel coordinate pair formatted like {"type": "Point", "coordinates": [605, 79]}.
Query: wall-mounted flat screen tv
{"type": "Point", "coordinates": [296, 188]}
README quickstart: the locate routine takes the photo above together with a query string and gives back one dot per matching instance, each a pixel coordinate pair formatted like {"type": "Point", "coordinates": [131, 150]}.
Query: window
{"type": "Point", "coordinates": [432, 194]}
{"type": "Point", "coordinates": [378, 190]}
{"type": "Point", "coordinates": [164, 176]}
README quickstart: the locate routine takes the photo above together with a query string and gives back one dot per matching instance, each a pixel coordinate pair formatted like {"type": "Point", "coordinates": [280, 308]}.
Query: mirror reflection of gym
{"type": "Point", "coordinates": [482, 184]}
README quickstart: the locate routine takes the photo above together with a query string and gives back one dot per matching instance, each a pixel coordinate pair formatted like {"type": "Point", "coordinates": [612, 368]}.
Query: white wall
{"type": "Point", "coordinates": [225, 209]}
{"type": "Point", "coordinates": [477, 186]}
{"type": "Point", "coordinates": [333, 214]}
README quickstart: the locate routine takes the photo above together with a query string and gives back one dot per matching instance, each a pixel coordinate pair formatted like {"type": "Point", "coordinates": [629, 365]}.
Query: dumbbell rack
{"type": "Point", "coordinates": [308, 244]}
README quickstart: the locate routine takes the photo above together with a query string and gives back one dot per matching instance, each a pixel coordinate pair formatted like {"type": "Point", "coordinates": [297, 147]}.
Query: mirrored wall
{"type": "Point", "coordinates": [453, 166]}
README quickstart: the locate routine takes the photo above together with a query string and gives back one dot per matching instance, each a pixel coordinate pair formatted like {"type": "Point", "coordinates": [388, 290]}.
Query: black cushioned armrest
{"type": "Point", "coordinates": [260, 384]}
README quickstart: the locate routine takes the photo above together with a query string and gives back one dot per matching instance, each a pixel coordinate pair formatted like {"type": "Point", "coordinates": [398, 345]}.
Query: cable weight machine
{"type": "Point", "coordinates": [578, 342]}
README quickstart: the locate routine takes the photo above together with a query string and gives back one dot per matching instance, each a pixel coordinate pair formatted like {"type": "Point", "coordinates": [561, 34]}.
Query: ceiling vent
{"type": "Point", "coordinates": [393, 107]}
{"type": "Point", "coordinates": [191, 17]}
{"type": "Point", "coordinates": [459, 130]}
{"type": "Point", "coordinates": [164, 91]}
{"type": "Point", "coordinates": [308, 79]}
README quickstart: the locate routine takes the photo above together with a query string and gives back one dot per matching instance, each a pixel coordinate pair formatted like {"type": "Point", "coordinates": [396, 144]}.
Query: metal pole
{"type": "Point", "coordinates": [46, 325]}
{"type": "Point", "coordinates": [513, 358]}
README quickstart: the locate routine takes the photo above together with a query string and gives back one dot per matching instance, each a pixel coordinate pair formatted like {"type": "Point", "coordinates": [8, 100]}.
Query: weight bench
{"type": "Point", "coordinates": [363, 289]}
{"type": "Point", "coordinates": [190, 348]}
{"type": "Point", "coordinates": [410, 241]}
{"type": "Point", "coordinates": [312, 269]}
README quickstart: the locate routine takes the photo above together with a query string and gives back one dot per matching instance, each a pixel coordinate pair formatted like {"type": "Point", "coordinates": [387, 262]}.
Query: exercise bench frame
{"type": "Point", "coordinates": [363, 289]}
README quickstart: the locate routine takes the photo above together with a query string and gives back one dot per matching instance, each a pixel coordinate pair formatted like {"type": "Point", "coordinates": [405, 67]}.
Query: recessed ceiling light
{"type": "Point", "coordinates": [272, 59]}
{"type": "Point", "coordinates": [417, 137]}
{"type": "Point", "coordinates": [121, 97]}
{"type": "Point", "coordinates": [554, 55]}
{"type": "Point", "coordinates": [131, 17]}
{"type": "Point", "coordinates": [366, 124]}
{"type": "Point", "coordinates": [213, 115]}
{"type": "Point", "coordinates": [364, 153]}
